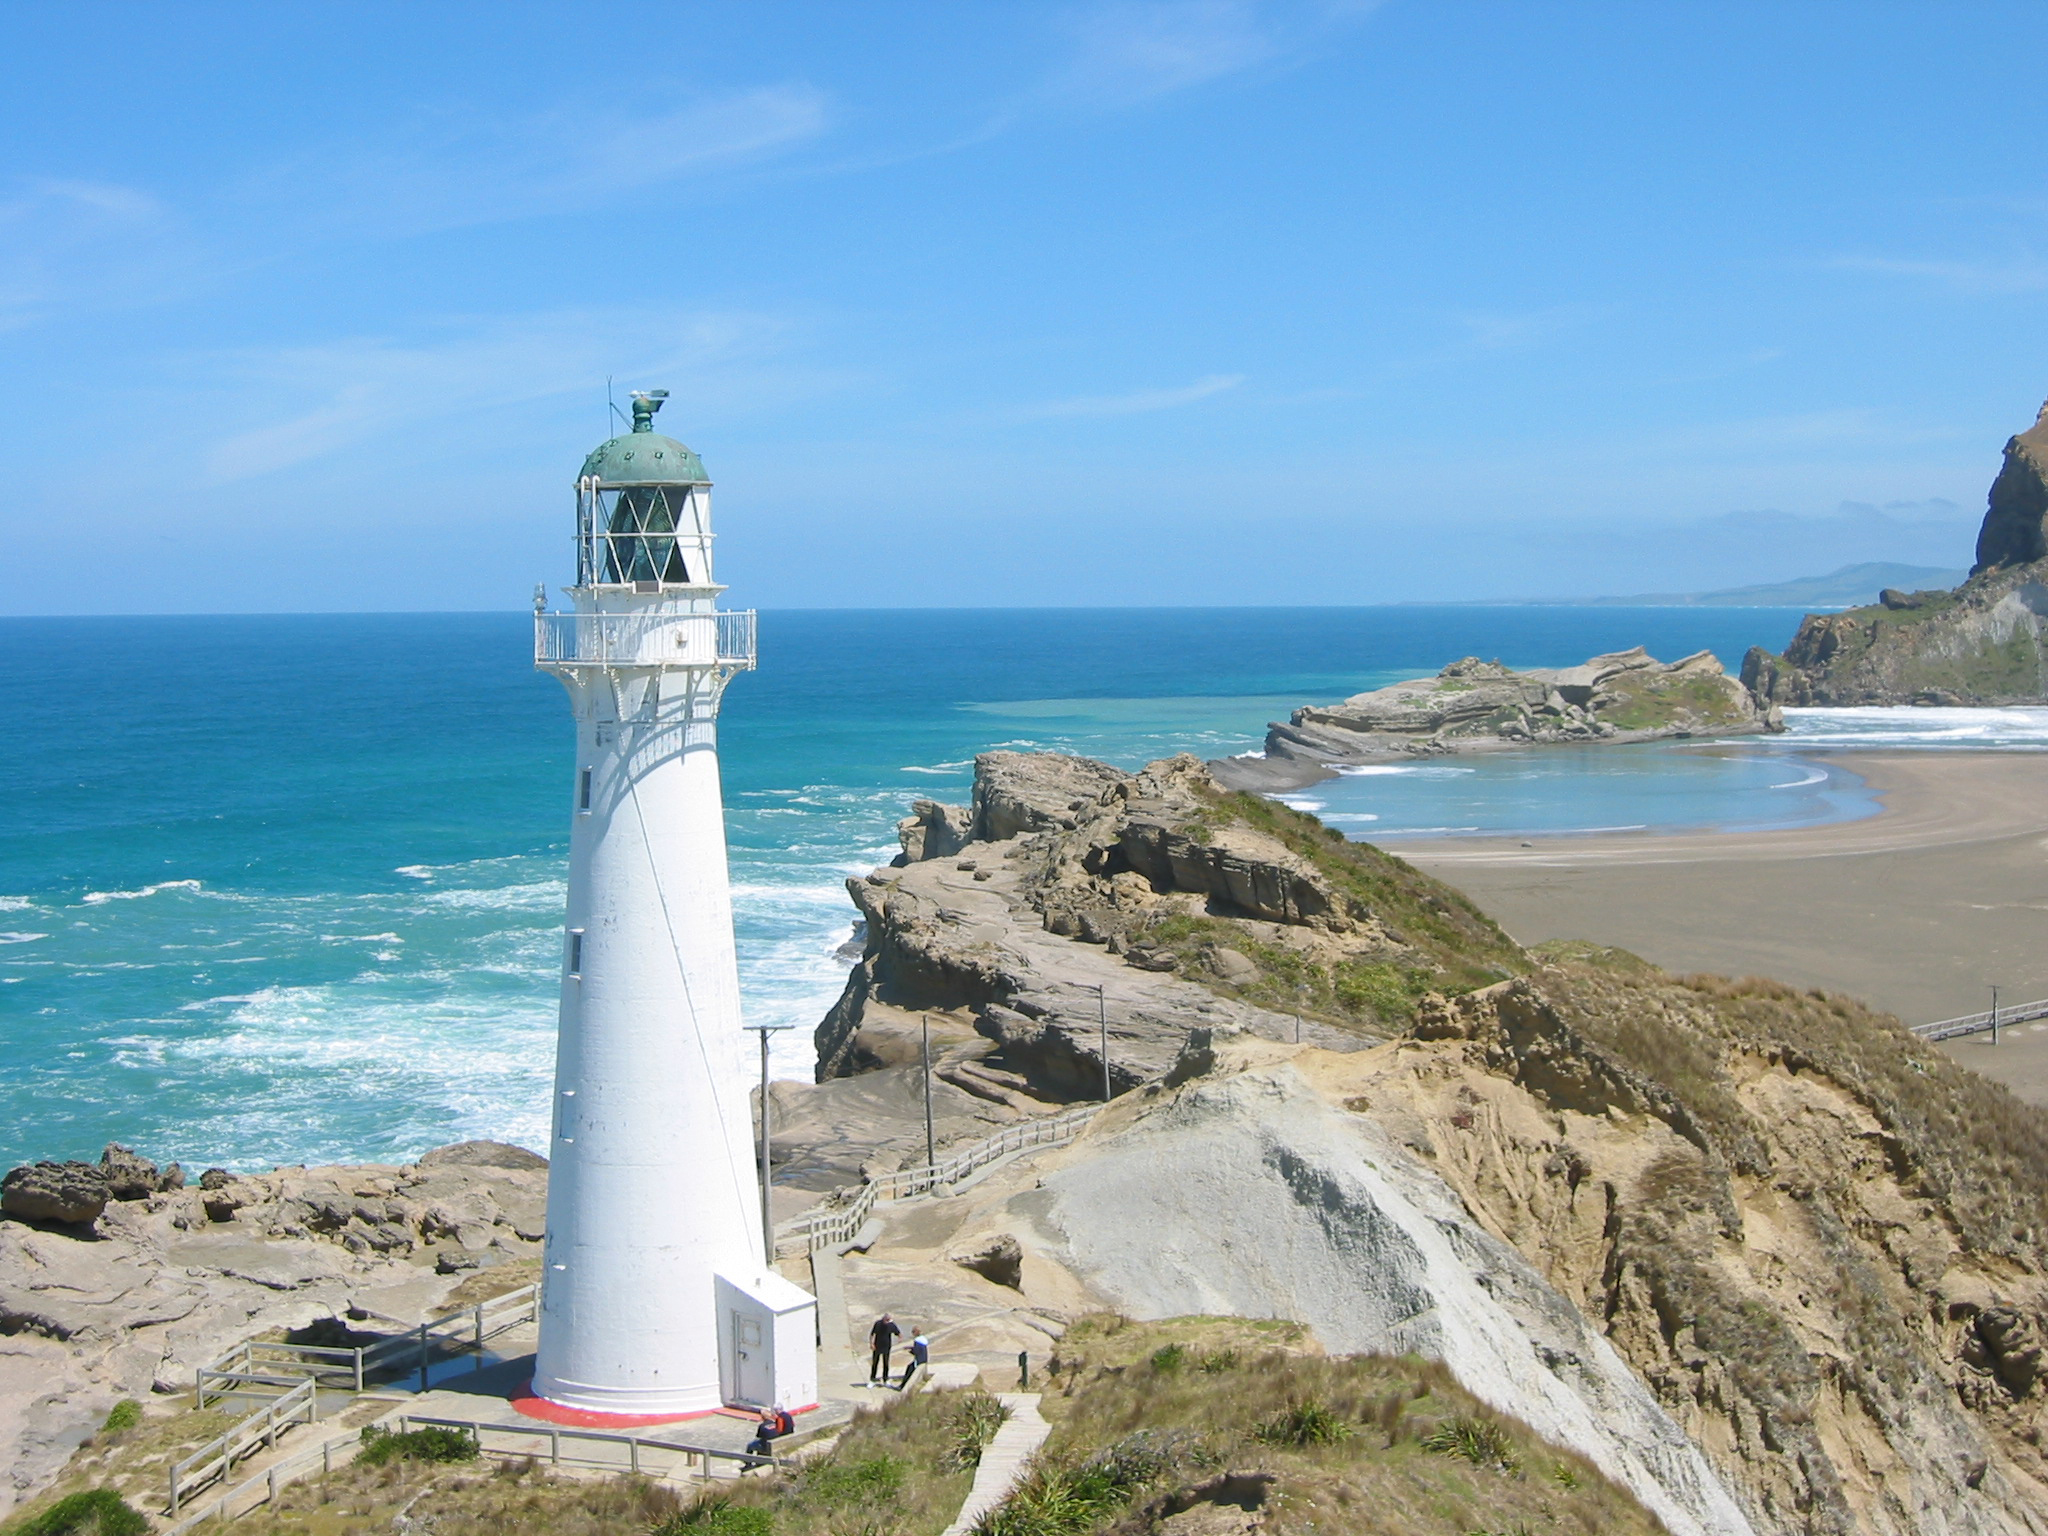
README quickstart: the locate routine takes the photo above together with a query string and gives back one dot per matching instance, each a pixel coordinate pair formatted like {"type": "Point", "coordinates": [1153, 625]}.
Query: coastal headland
{"type": "Point", "coordinates": [1917, 910]}
{"type": "Point", "coordinates": [1754, 1252]}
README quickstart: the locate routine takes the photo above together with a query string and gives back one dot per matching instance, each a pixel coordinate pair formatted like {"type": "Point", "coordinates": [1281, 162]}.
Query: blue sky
{"type": "Point", "coordinates": [312, 306]}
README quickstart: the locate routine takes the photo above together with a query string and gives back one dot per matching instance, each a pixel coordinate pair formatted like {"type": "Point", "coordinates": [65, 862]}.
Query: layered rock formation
{"type": "Point", "coordinates": [1762, 1255]}
{"type": "Point", "coordinates": [132, 1298]}
{"type": "Point", "coordinates": [1194, 907]}
{"type": "Point", "coordinates": [1985, 643]}
{"type": "Point", "coordinates": [1475, 705]}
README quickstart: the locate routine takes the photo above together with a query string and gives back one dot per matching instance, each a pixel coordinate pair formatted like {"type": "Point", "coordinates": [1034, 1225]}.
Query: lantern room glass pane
{"type": "Point", "coordinates": [639, 538]}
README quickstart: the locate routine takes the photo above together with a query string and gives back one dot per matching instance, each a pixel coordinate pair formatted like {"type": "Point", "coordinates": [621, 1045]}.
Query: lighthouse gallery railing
{"type": "Point", "coordinates": [644, 640]}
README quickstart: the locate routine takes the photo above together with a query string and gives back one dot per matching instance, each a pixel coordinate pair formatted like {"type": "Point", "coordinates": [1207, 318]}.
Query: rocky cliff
{"type": "Point", "coordinates": [1984, 643]}
{"type": "Point", "coordinates": [1475, 705]}
{"type": "Point", "coordinates": [138, 1279]}
{"type": "Point", "coordinates": [1195, 906]}
{"type": "Point", "coordinates": [1763, 1256]}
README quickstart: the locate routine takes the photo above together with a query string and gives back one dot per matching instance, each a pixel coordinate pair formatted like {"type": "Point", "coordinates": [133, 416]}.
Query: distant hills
{"type": "Point", "coordinates": [1852, 586]}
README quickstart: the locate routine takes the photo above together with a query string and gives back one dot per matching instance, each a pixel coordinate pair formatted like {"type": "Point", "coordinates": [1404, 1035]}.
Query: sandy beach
{"type": "Point", "coordinates": [1916, 910]}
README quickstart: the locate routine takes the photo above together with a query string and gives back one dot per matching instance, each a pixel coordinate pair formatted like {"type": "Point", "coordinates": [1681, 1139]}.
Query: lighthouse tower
{"type": "Point", "coordinates": [656, 1298]}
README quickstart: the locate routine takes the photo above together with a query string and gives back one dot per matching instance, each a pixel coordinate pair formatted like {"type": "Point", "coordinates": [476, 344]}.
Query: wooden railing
{"type": "Point", "coordinates": [212, 1462]}
{"type": "Point", "coordinates": [823, 1229]}
{"type": "Point", "coordinates": [257, 1366]}
{"type": "Point", "coordinates": [289, 1378]}
{"type": "Point", "coordinates": [265, 1484]}
{"type": "Point", "coordinates": [640, 1454]}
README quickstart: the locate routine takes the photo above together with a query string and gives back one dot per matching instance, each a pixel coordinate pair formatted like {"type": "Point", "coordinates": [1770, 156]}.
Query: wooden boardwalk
{"type": "Point", "coordinates": [1003, 1459]}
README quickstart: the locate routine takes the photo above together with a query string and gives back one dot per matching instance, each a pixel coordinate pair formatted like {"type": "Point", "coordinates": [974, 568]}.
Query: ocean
{"type": "Point", "coordinates": [288, 889]}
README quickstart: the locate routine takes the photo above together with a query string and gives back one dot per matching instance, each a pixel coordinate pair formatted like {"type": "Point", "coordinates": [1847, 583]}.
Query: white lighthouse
{"type": "Point", "coordinates": [657, 1299]}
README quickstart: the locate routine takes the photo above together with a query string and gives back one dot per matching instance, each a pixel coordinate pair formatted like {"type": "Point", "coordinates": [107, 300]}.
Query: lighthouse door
{"type": "Point", "coordinates": [753, 1365]}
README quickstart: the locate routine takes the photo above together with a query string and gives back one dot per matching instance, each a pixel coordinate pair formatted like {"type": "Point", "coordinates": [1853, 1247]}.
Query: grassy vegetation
{"type": "Point", "coordinates": [904, 1468]}
{"type": "Point", "coordinates": [1149, 1420]}
{"type": "Point", "coordinates": [1650, 700]}
{"type": "Point", "coordinates": [128, 1457]}
{"type": "Point", "coordinates": [1147, 1416]}
{"type": "Point", "coordinates": [1448, 944]}
{"type": "Point", "coordinates": [431, 1443]}
{"type": "Point", "coordinates": [98, 1512]}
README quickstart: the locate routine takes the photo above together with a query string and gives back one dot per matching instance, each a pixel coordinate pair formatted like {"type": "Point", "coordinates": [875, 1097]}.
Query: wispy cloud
{"type": "Point", "coordinates": [2026, 274]}
{"type": "Point", "coordinates": [1135, 50]}
{"type": "Point", "coordinates": [70, 243]}
{"type": "Point", "coordinates": [451, 168]}
{"type": "Point", "coordinates": [1136, 403]}
{"type": "Point", "coordinates": [334, 396]}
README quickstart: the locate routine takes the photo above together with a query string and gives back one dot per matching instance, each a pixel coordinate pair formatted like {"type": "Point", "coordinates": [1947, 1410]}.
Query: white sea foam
{"type": "Point", "coordinates": [415, 871]}
{"type": "Point", "coordinates": [97, 898]}
{"type": "Point", "coordinates": [15, 903]}
{"type": "Point", "coordinates": [1816, 776]}
{"type": "Point", "coordinates": [1340, 817]}
{"type": "Point", "coordinates": [1418, 770]}
{"type": "Point", "coordinates": [21, 938]}
{"type": "Point", "coordinates": [539, 895]}
{"type": "Point", "coordinates": [1301, 802]}
{"type": "Point", "coordinates": [2019, 726]}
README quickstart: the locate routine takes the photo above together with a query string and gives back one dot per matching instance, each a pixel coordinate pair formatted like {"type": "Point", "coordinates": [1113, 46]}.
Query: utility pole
{"type": "Point", "coordinates": [1994, 1015]}
{"type": "Point", "coordinates": [1102, 1021]}
{"type": "Point", "coordinates": [931, 1155]}
{"type": "Point", "coordinates": [767, 1221]}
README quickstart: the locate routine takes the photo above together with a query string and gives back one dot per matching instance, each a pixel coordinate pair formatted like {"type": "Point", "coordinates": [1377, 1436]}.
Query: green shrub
{"type": "Point", "coordinates": [868, 1481]}
{"type": "Point", "coordinates": [1303, 1423]}
{"type": "Point", "coordinates": [713, 1514]}
{"type": "Point", "coordinates": [1168, 1358]}
{"type": "Point", "coordinates": [96, 1512]}
{"type": "Point", "coordinates": [431, 1443]}
{"type": "Point", "coordinates": [975, 1420]}
{"type": "Point", "coordinates": [1216, 1361]}
{"type": "Point", "coordinates": [1483, 1442]}
{"type": "Point", "coordinates": [125, 1414]}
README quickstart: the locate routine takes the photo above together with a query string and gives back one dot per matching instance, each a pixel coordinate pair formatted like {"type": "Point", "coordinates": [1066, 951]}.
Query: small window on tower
{"type": "Point", "coordinates": [575, 951]}
{"type": "Point", "coordinates": [583, 790]}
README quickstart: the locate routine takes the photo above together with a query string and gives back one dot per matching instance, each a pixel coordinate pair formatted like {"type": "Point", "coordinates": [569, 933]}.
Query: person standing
{"type": "Point", "coordinates": [881, 1339]}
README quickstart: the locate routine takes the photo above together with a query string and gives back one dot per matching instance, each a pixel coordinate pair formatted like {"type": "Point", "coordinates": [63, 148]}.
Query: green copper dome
{"type": "Point", "coordinates": [638, 458]}
{"type": "Point", "coordinates": [643, 456]}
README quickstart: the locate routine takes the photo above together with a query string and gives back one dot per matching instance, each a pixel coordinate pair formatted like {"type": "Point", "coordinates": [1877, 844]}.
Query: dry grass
{"type": "Point", "coordinates": [1145, 1412]}
{"type": "Point", "coordinates": [1447, 943]}
{"type": "Point", "coordinates": [1953, 1136]}
{"type": "Point", "coordinates": [496, 1281]}
{"type": "Point", "coordinates": [1149, 1411]}
{"type": "Point", "coordinates": [904, 1468]}
{"type": "Point", "coordinates": [134, 1461]}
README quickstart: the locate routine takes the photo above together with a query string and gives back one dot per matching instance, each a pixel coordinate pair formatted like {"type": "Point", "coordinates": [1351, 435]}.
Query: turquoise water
{"type": "Point", "coordinates": [281, 889]}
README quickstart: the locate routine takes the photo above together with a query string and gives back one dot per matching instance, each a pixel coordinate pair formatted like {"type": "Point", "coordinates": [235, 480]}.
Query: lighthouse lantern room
{"type": "Point", "coordinates": [655, 1286]}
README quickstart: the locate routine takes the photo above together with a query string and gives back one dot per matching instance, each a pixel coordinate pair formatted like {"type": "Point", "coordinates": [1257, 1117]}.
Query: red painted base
{"type": "Point", "coordinates": [523, 1401]}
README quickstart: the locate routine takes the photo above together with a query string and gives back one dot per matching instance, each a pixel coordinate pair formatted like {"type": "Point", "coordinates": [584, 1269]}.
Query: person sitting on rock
{"type": "Point", "coordinates": [920, 1352]}
{"type": "Point", "coordinates": [881, 1339]}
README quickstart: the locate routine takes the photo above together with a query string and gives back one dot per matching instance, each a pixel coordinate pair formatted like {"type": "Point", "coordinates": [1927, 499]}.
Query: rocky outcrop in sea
{"type": "Point", "coordinates": [1477, 706]}
{"type": "Point", "coordinates": [1984, 643]}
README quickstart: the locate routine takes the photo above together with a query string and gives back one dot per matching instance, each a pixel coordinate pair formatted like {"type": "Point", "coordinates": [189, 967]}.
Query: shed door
{"type": "Point", "coordinates": [753, 1367]}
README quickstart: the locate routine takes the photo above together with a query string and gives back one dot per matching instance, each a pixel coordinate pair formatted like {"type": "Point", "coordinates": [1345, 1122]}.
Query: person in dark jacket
{"type": "Point", "coordinates": [881, 1339]}
{"type": "Point", "coordinates": [775, 1423]}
